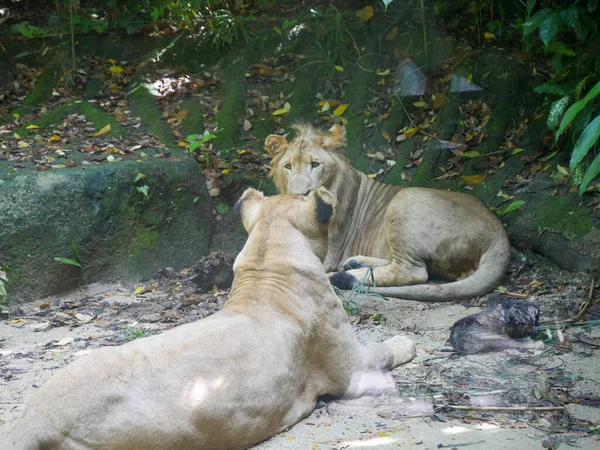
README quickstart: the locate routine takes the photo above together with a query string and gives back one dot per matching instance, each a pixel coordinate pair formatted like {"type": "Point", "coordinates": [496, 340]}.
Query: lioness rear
{"type": "Point", "coordinates": [233, 379]}
{"type": "Point", "coordinates": [404, 234]}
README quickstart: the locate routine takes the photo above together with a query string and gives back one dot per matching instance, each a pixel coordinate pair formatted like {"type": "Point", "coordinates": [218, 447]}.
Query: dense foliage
{"type": "Point", "coordinates": [564, 33]}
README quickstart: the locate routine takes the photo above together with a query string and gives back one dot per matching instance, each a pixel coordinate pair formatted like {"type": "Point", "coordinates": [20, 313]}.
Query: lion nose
{"type": "Point", "coordinates": [307, 192]}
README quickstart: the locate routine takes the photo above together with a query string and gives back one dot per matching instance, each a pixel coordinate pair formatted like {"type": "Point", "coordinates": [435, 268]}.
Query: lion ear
{"type": "Point", "coordinates": [248, 207]}
{"type": "Point", "coordinates": [323, 203]}
{"type": "Point", "coordinates": [335, 137]}
{"type": "Point", "coordinates": [275, 144]}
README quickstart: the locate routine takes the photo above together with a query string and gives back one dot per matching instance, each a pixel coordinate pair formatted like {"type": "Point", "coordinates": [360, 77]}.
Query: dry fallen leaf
{"type": "Point", "coordinates": [411, 132]}
{"type": "Point", "coordinates": [439, 101]}
{"type": "Point", "coordinates": [116, 69]}
{"type": "Point", "coordinates": [139, 290]}
{"type": "Point", "coordinates": [473, 179]}
{"type": "Point", "coordinates": [286, 109]}
{"type": "Point", "coordinates": [365, 14]}
{"type": "Point", "coordinates": [340, 109]}
{"type": "Point", "coordinates": [181, 115]}
{"type": "Point", "coordinates": [104, 130]}
{"type": "Point", "coordinates": [54, 138]}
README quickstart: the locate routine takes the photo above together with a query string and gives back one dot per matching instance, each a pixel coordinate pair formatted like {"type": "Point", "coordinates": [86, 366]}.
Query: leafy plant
{"type": "Point", "coordinates": [131, 333]}
{"type": "Point", "coordinates": [29, 31]}
{"type": "Point", "coordinates": [76, 261]}
{"type": "Point", "coordinates": [196, 140]}
{"type": "Point", "coordinates": [144, 188]}
{"type": "Point", "coordinates": [3, 294]}
{"type": "Point", "coordinates": [566, 30]}
{"type": "Point", "coordinates": [333, 38]}
{"type": "Point", "coordinates": [586, 140]}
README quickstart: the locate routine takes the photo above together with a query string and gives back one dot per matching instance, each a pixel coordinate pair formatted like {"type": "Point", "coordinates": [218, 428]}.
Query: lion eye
{"type": "Point", "coordinates": [315, 164]}
{"type": "Point", "coordinates": [288, 166]}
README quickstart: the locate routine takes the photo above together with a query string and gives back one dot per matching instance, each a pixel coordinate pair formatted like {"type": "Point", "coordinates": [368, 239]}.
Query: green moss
{"type": "Point", "coordinates": [194, 122]}
{"type": "Point", "coordinates": [145, 107]}
{"type": "Point", "coordinates": [93, 86]}
{"type": "Point", "coordinates": [563, 215]}
{"type": "Point", "coordinates": [233, 100]}
{"type": "Point", "coordinates": [43, 88]}
{"type": "Point", "coordinates": [145, 239]}
{"type": "Point", "coordinates": [95, 115]}
{"type": "Point", "coordinates": [262, 127]}
{"type": "Point", "coordinates": [305, 89]}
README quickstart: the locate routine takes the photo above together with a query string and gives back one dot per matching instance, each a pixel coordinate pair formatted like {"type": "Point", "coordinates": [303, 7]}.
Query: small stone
{"type": "Point", "coordinates": [64, 341]}
{"type": "Point", "coordinates": [83, 318]}
{"type": "Point", "coordinates": [247, 125]}
{"type": "Point", "coordinates": [43, 326]}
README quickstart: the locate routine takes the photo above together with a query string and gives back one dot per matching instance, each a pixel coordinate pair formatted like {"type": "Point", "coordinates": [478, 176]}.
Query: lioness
{"type": "Point", "coordinates": [406, 234]}
{"type": "Point", "coordinates": [233, 379]}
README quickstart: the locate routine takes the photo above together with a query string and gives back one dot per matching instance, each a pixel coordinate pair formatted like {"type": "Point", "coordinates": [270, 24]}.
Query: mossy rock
{"type": "Point", "coordinates": [121, 234]}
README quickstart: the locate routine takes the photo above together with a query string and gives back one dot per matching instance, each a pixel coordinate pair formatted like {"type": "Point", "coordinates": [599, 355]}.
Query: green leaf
{"type": "Point", "coordinates": [70, 261]}
{"type": "Point", "coordinates": [530, 6]}
{"type": "Point", "coordinates": [207, 137]}
{"type": "Point", "coordinates": [557, 109]}
{"type": "Point", "coordinates": [533, 24]}
{"type": "Point", "coordinates": [193, 137]}
{"type": "Point", "coordinates": [575, 108]}
{"type": "Point", "coordinates": [590, 174]}
{"type": "Point", "coordinates": [222, 208]}
{"type": "Point", "coordinates": [585, 142]}
{"type": "Point", "coordinates": [144, 190]}
{"type": "Point", "coordinates": [75, 251]}
{"type": "Point", "coordinates": [592, 5]}
{"type": "Point", "coordinates": [3, 294]}
{"type": "Point", "coordinates": [386, 3]}
{"type": "Point", "coordinates": [194, 145]}
{"type": "Point", "coordinates": [570, 16]}
{"type": "Point", "coordinates": [138, 177]}
{"type": "Point", "coordinates": [470, 154]}
{"type": "Point", "coordinates": [551, 89]}
{"type": "Point", "coordinates": [514, 205]}
{"type": "Point", "coordinates": [560, 48]}
{"type": "Point", "coordinates": [549, 28]}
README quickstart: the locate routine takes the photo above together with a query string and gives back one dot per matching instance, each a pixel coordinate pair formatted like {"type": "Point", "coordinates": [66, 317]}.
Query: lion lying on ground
{"type": "Point", "coordinates": [405, 234]}
{"type": "Point", "coordinates": [233, 379]}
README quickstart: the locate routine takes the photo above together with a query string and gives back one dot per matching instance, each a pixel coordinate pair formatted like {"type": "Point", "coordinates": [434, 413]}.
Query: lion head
{"type": "Point", "coordinates": [283, 219]}
{"type": "Point", "coordinates": [309, 161]}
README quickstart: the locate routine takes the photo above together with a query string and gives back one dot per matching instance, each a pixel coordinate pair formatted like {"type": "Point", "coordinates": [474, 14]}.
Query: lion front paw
{"type": "Point", "coordinates": [403, 349]}
{"type": "Point", "coordinates": [354, 263]}
{"type": "Point", "coordinates": [343, 280]}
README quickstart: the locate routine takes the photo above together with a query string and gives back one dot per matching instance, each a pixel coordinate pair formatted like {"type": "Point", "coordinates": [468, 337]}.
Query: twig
{"type": "Point", "coordinates": [485, 155]}
{"type": "Point", "coordinates": [580, 314]}
{"type": "Point", "coordinates": [72, 39]}
{"type": "Point", "coordinates": [503, 408]}
{"type": "Point", "coordinates": [514, 294]}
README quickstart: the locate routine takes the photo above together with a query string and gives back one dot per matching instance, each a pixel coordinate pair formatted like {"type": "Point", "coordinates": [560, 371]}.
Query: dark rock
{"type": "Point", "coordinates": [215, 269]}
{"type": "Point", "coordinates": [496, 327]}
{"type": "Point", "coordinates": [120, 233]}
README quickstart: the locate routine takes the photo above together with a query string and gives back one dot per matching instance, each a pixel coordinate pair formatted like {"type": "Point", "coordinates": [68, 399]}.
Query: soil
{"type": "Point", "coordinates": [43, 336]}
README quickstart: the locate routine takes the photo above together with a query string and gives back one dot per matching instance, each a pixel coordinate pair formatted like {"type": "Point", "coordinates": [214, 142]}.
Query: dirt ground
{"type": "Point", "coordinates": [45, 335]}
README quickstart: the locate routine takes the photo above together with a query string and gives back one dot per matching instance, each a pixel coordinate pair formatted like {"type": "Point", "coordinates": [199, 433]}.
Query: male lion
{"type": "Point", "coordinates": [405, 234]}
{"type": "Point", "coordinates": [233, 379]}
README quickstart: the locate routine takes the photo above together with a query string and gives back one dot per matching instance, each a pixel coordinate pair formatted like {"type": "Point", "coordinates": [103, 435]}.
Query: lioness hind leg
{"type": "Point", "coordinates": [375, 360]}
{"type": "Point", "coordinates": [392, 274]}
{"type": "Point", "coordinates": [359, 261]}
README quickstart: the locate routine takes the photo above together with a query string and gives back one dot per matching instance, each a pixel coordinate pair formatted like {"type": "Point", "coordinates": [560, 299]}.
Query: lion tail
{"type": "Point", "coordinates": [489, 274]}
